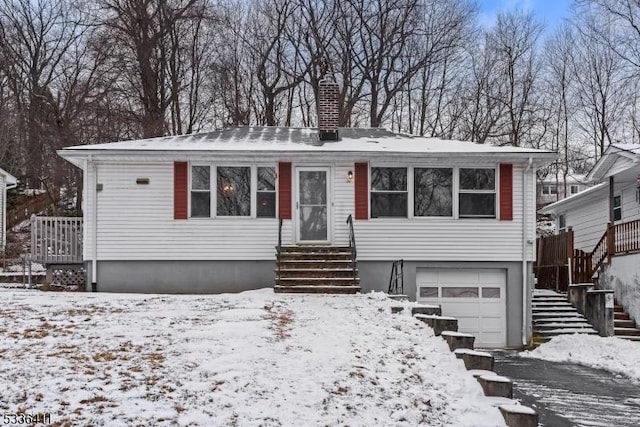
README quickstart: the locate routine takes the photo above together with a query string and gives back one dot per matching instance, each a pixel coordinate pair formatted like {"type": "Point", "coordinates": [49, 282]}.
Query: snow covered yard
{"type": "Point", "coordinates": [249, 359]}
{"type": "Point", "coordinates": [610, 353]}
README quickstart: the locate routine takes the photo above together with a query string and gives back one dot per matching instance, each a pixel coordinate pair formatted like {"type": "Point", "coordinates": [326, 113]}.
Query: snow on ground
{"type": "Point", "coordinates": [249, 359]}
{"type": "Point", "coordinates": [609, 353]}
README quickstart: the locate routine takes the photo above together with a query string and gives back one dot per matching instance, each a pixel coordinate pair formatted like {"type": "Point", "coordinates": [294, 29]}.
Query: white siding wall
{"type": "Point", "coordinates": [448, 239]}
{"type": "Point", "coordinates": [135, 222]}
{"type": "Point", "coordinates": [630, 203]}
{"type": "Point", "coordinates": [589, 219]}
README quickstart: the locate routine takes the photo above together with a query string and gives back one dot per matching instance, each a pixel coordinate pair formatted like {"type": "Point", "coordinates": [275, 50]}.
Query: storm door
{"type": "Point", "coordinates": [312, 204]}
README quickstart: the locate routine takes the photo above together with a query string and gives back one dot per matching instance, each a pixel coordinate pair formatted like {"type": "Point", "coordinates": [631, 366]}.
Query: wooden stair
{"type": "Point", "coordinates": [624, 327]}
{"type": "Point", "coordinates": [553, 315]}
{"type": "Point", "coordinates": [316, 269]}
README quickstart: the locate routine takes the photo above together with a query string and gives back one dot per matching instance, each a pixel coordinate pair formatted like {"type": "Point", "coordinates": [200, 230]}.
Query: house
{"type": "Point", "coordinates": [605, 222]}
{"type": "Point", "coordinates": [552, 188]}
{"type": "Point", "coordinates": [211, 213]}
{"type": "Point", "coordinates": [7, 181]}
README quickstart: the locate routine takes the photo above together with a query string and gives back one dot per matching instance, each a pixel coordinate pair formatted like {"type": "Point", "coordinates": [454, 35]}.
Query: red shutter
{"type": "Point", "coordinates": [284, 190]}
{"type": "Point", "coordinates": [361, 190]}
{"type": "Point", "coordinates": [506, 192]}
{"type": "Point", "coordinates": [180, 190]}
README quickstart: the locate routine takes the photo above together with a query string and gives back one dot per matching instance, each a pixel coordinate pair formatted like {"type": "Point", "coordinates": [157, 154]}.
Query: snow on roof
{"type": "Point", "coordinates": [10, 179]}
{"type": "Point", "coordinates": [263, 139]}
{"type": "Point", "coordinates": [589, 192]}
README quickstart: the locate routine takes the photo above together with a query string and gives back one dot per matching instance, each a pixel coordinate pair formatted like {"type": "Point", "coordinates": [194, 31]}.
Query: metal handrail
{"type": "Point", "coordinates": [397, 272]}
{"type": "Point", "coordinates": [352, 246]}
{"type": "Point", "coordinates": [279, 247]}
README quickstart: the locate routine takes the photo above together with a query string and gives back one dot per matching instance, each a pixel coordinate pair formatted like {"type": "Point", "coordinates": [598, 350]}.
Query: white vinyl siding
{"type": "Point", "coordinates": [588, 219]}
{"type": "Point", "coordinates": [135, 222]}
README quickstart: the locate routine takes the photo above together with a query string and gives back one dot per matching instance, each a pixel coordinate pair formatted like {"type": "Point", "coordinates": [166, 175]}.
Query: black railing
{"type": "Point", "coordinates": [352, 246]}
{"type": "Point", "coordinates": [279, 247]}
{"type": "Point", "coordinates": [396, 281]}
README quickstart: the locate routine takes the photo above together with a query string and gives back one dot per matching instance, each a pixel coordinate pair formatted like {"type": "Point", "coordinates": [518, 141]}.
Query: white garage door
{"type": "Point", "coordinates": [476, 297]}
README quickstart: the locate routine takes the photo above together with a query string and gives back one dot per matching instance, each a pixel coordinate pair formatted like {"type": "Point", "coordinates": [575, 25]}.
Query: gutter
{"type": "Point", "coordinates": [94, 227]}
{"type": "Point", "coordinates": [525, 244]}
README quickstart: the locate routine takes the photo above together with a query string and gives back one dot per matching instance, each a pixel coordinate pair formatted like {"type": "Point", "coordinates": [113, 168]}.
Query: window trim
{"type": "Point", "coordinates": [191, 190]}
{"type": "Point", "coordinates": [617, 208]}
{"type": "Point", "coordinates": [455, 213]}
{"type": "Point", "coordinates": [213, 189]}
{"type": "Point", "coordinates": [495, 192]}
{"type": "Point", "coordinates": [408, 191]}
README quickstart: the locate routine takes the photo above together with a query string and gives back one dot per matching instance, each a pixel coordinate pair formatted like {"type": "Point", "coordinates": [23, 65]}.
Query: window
{"type": "Point", "coordinates": [549, 189]}
{"type": "Point", "coordinates": [433, 192]}
{"type": "Point", "coordinates": [388, 192]}
{"type": "Point", "coordinates": [234, 191]}
{"type": "Point", "coordinates": [477, 198]}
{"type": "Point", "coordinates": [460, 292]}
{"type": "Point", "coordinates": [617, 207]}
{"type": "Point", "coordinates": [266, 193]}
{"type": "Point", "coordinates": [574, 189]}
{"type": "Point", "coordinates": [562, 222]}
{"type": "Point", "coordinates": [428, 292]}
{"type": "Point", "coordinates": [200, 191]}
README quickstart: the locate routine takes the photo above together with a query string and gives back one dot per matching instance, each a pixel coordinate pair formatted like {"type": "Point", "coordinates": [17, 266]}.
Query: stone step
{"type": "Point", "coordinates": [635, 332]}
{"type": "Point", "coordinates": [550, 303]}
{"type": "Point", "coordinates": [553, 308]}
{"type": "Point", "coordinates": [560, 319]}
{"type": "Point", "coordinates": [317, 289]}
{"type": "Point", "coordinates": [561, 325]}
{"type": "Point", "coordinates": [566, 331]}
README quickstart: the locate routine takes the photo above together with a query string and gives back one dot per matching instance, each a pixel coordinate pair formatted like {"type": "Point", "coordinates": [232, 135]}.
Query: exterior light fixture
{"type": "Point", "coordinates": [350, 176]}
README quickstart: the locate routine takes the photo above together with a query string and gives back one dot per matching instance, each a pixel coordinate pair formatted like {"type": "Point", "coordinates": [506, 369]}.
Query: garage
{"type": "Point", "coordinates": [476, 297]}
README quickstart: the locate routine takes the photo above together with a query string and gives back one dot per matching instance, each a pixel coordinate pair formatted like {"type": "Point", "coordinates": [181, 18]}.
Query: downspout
{"type": "Point", "coordinates": [525, 244]}
{"type": "Point", "coordinates": [94, 226]}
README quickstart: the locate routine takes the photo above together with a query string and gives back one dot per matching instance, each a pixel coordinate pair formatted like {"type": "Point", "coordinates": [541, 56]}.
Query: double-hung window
{"type": "Point", "coordinates": [266, 193]}
{"type": "Point", "coordinates": [432, 192]}
{"type": "Point", "coordinates": [389, 192]}
{"type": "Point", "coordinates": [234, 191]}
{"type": "Point", "coordinates": [236, 188]}
{"type": "Point", "coordinates": [200, 191]}
{"type": "Point", "coordinates": [477, 194]}
{"type": "Point", "coordinates": [617, 207]}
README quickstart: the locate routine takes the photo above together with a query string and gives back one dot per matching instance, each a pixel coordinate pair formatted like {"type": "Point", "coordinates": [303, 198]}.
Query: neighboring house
{"type": "Point", "coordinates": [552, 188]}
{"type": "Point", "coordinates": [200, 213]}
{"type": "Point", "coordinates": [7, 181]}
{"type": "Point", "coordinates": [614, 201]}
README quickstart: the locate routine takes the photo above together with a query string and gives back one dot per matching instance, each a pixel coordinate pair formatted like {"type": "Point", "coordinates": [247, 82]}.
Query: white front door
{"type": "Point", "coordinates": [312, 205]}
{"type": "Point", "coordinates": [476, 297]}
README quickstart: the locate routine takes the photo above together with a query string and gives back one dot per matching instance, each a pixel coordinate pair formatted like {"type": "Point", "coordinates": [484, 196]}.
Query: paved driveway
{"type": "Point", "coordinates": [567, 394]}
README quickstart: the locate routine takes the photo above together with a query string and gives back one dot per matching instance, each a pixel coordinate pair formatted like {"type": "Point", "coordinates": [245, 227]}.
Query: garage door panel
{"type": "Point", "coordinates": [476, 297]}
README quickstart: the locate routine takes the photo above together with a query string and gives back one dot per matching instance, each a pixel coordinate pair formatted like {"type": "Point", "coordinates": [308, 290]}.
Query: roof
{"type": "Point", "coordinates": [10, 179]}
{"type": "Point", "coordinates": [573, 199]}
{"type": "Point", "coordinates": [301, 140]}
{"type": "Point", "coordinates": [626, 155]}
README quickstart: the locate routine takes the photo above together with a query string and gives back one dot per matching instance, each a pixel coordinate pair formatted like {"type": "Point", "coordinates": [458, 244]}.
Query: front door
{"type": "Point", "coordinates": [312, 205]}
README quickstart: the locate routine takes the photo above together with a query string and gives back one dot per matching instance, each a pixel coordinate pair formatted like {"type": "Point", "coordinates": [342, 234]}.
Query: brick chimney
{"type": "Point", "coordinates": [328, 109]}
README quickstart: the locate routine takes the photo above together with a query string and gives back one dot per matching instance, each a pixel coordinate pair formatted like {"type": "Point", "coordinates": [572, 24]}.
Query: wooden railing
{"type": "Point", "coordinates": [555, 253]}
{"type": "Point", "coordinates": [56, 240]}
{"type": "Point", "coordinates": [626, 237]}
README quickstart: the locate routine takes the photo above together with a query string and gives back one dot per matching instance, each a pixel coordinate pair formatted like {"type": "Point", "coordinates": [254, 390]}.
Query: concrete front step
{"type": "Point", "coordinates": [550, 303]}
{"type": "Point", "coordinates": [317, 289]}
{"type": "Point", "coordinates": [315, 272]}
{"type": "Point", "coordinates": [553, 308]}
{"type": "Point", "coordinates": [629, 337]}
{"type": "Point", "coordinates": [317, 281]}
{"type": "Point", "coordinates": [566, 331]}
{"type": "Point", "coordinates": [564, 313]}
{"type": "Point", "coordinates": [559, 319]}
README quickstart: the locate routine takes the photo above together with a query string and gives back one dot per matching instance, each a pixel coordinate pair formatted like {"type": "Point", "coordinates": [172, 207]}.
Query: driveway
{"type": "Point", "coordinates": [567, 394]}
